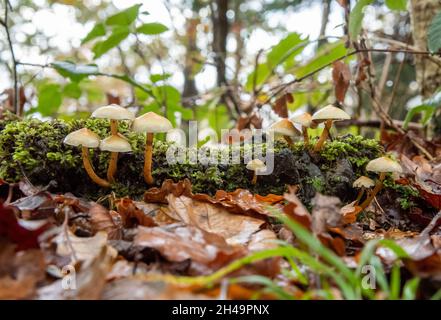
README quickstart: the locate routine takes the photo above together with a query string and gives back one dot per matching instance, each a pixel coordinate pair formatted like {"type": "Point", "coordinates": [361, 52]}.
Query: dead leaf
{"type": "Point", "coordinates": [178, 242]}
{"type": "Point", "coordinates": [130, 212]}
{"type": "Point", "coordinates": [350, 212]}
{"type": "Point", "coordinates": [296, 210]}
{"type": "Point", "coordinates": [281, 105]}
{"type": "Point", "coordinates": [326, 213]}
{"type": "Point", "coordinates": [20, 272]}
{"type": "Point", "coordinates": [341, 76]}
{"type": "Point", "coordinates": [103, 220]}
{"type": "Point", "coordinates": [235, 229]}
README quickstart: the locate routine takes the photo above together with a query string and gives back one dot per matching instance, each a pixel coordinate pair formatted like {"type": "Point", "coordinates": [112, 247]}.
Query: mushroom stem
{"type": "Point", "coordinates": [323, 136]}
{"type": "Point", "coordinates": [86, 163]}
{"type": "Point", "coordinates": [148, 158]}
{"type": "Point", "coordinates": [377, 188]}
{"type": "Point", "coordinates": [305, 135]}
{"type": "Point", "coordinates": [114, 127]}
{"type": "Point", "coordinates": [360, 194]}
{"type": "Point", "coordinates": [254, 180]}
{"type": "Point", "coordinates": [288, 140]}
{"type": "Point", "coordinates": [113, 162]}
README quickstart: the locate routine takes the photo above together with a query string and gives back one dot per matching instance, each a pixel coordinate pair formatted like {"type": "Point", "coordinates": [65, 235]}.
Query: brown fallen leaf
{"type": "Point", "coordinates": [89, 280]}
{"type": "Point", "coordinates": [235, 229]}
{"type": "Point", "coordinates": [129, 212]}
{"type": "Point", "coordinates": [105, 220]}
{"type": "Point", "coordinates": [350, 212]}
{"type": "Point", "coordinates": [341, 75]}
{"type": "Point", "coordinates": [178, 242]}
{"type": "Point", "coordinates": [20, 272]}
{"type": "Point", "coordinates": [326, 213]}
{"type": "Point", "coordinates": [296, 210]}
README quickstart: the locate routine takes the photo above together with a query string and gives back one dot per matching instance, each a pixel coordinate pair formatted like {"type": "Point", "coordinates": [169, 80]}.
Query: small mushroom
{"type": "Point", "coordinates": [328, 115]}
{"type": "Point", "coordinates": [382, 166]}
{"type": "Point", "coordinates": [113, 112]}
{"type": "Point", "coordinates": [285, 128]}
{"type": "Point", "coordinates": [305, 120]}
{"type": "Point", "coordinates": [150, 123]}
{"type": "Point", "coordinates": [86, 139]}
{"type": "Point", "coordinates": [256, 166]}
{"type": "Point", "coordinates": [363, 183]}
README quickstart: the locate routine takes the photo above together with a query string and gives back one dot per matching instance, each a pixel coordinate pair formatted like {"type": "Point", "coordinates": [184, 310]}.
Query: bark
{"type": "Point", "coordinates": [428, 72]}
{"type": "Point", "coordinates": [192, 50]}
{"type": "Point", "coordinates": [220, 34]}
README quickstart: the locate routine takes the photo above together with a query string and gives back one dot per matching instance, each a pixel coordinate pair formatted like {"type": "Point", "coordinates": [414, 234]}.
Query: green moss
{"type": "Point", "coordinates": [406, 193]}
{"type": "Point", "coordinates": [35, 149]}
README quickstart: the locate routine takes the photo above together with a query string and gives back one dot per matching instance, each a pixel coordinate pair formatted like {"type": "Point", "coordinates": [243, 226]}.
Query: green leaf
{"type": "Point", "coordinates": [283, 52]}
{"type": "Point", "coordinates": [75, 72]}
{"type": "Point", "coordinates": [98, 30]}
{"type": "Point", "coordinates": [152, 28]}
{"type": "Point", "coordinates": [117, 36]}
{"type": "Point", "coordinates": [325, 56]}
{"type": "Point", "coordinates": [156, 77]}
{"type": "Point", "coordinates": [356, 17]}
{"type": "Point", "coordinates": [125, 17]}
{"type": "Point", "coordinates": [428, 107]}
{"type": "Point", "coordinates": [397, 4]}
{"type": "Point", "coordinates": [72, 90]}
{"type": "Point", "coordinates": [410, 289]}
{"type": "Point", "coordinates": [434, 34]}
{"type": "Point", "coordinates": [49, 99]}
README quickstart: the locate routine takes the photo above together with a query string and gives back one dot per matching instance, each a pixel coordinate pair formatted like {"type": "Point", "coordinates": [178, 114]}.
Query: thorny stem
{"type": "Point", "coordinates": [377, 188]}
{"type": "Point", "coordinates": [148, 159]}
{"type": "Point", "coordinates": [323, 136]}
{"type": "Point", "coordinates": [86, 162]}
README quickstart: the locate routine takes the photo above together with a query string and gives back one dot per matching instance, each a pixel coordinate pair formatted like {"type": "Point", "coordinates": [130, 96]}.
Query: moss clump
{"type": "Point", "coordinates": [35, 149]}
{"type": "Point", "coordinates": [407, 195]}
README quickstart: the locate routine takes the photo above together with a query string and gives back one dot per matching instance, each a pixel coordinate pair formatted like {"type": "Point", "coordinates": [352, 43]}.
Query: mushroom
{"type": "Point", "coordinates": [256, 166]}
{"type": "Point", "coordinates": [305, 120]}
{"type": "Point", "coordinates": [285, 128]}
{"type": "Point", "coordinates": [113, 112]}
{"type": "Point", "coordinates": [150, 123]}
{"type": "Point", "coordinates": [382, 166]}
{"type": "Point", "coordinates": [363, 183]}
{"type": "Point", "coordinates": [328, 115]}
{"type": "Point", "coordinates": [86, 139]}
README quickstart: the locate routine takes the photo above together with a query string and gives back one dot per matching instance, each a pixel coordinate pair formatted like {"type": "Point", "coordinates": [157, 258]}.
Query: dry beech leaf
{"type": "Point", "coordinates": [179, 242]}
{"type": "Point", "coordinates": [350, 212]}
{"type": "Point", "coordinates": [129, 212]}
{"type": "Point", "coordinates": [296, 210]}
{"type": "Point", "coordinates": [235, 229]}
{"type": "Point", "coordinates": [105, 220]}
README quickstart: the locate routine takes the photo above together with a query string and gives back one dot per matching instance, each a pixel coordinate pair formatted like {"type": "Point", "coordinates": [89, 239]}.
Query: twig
{"type": "Point", "coordinates": [4, 23]}
{"type": "Point", "coordinates": [377, 124]}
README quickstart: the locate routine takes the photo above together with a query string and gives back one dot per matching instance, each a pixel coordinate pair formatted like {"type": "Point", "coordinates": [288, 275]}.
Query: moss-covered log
{"type": "Point", "coordinates": [35, 149]}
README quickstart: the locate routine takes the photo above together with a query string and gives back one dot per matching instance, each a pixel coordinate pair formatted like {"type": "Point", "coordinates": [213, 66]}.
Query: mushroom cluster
{"type": "Point", "coordinates": [149, 123]}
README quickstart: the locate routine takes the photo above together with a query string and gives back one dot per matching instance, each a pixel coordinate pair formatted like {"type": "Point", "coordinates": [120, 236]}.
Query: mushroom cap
{"type": "Point", "coordinates": [151, 122]}
{"type": "Point", "coordinates": [83, 137]}
{"type": "Point", "coordinates": [115, 143]}
{"type": "Point", "coordinates": [113, 112]}
{"type": "Point", "coordinates": [284, 127]}
{"type": "Point", "coordinates": [330, 112]}
{"type": "Point", "coordinates": [304, 119]}
{"type": "Point", "coordinates": [256, 165]}
{"type": "Point", "coordinates": [363, 182]}
{"type": "Point", "coordinates": [384, 164]}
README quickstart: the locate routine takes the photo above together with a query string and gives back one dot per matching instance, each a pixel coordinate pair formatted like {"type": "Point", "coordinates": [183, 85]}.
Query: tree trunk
{"type": "Point", "coordinates": [192, 51]}
{"type": "Point", "coordinates": [220, 34]}
{"type": "Point", "coordinates": [428, 72]}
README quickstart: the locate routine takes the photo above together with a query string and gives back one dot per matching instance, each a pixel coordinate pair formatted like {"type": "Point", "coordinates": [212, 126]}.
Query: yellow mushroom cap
{"type": "Point", "coordinates": [115, 143]}
{"type": "Point", "coordinates": [256, 165]}
{"type": "Point", "coordinates": [363, 182]}
{"type": "Point", "coordinates": [113, 112]}
{"type": "Point", "coordinates": [330, 113]}
{"type": "Point", "coordinates": [83, 137]}
{"type": "Point", "coordinates": [284, 127]}
{"type": "Point", "coordinates": [151, 122]}
{"type": "Point", "coordinates": [384, 164]}
{"type": "Point", "coordinates": [303, 119]}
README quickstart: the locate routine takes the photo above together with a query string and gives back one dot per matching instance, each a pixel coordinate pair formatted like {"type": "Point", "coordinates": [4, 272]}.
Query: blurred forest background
{"type": "Point", "coordinates": [225, 63]}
